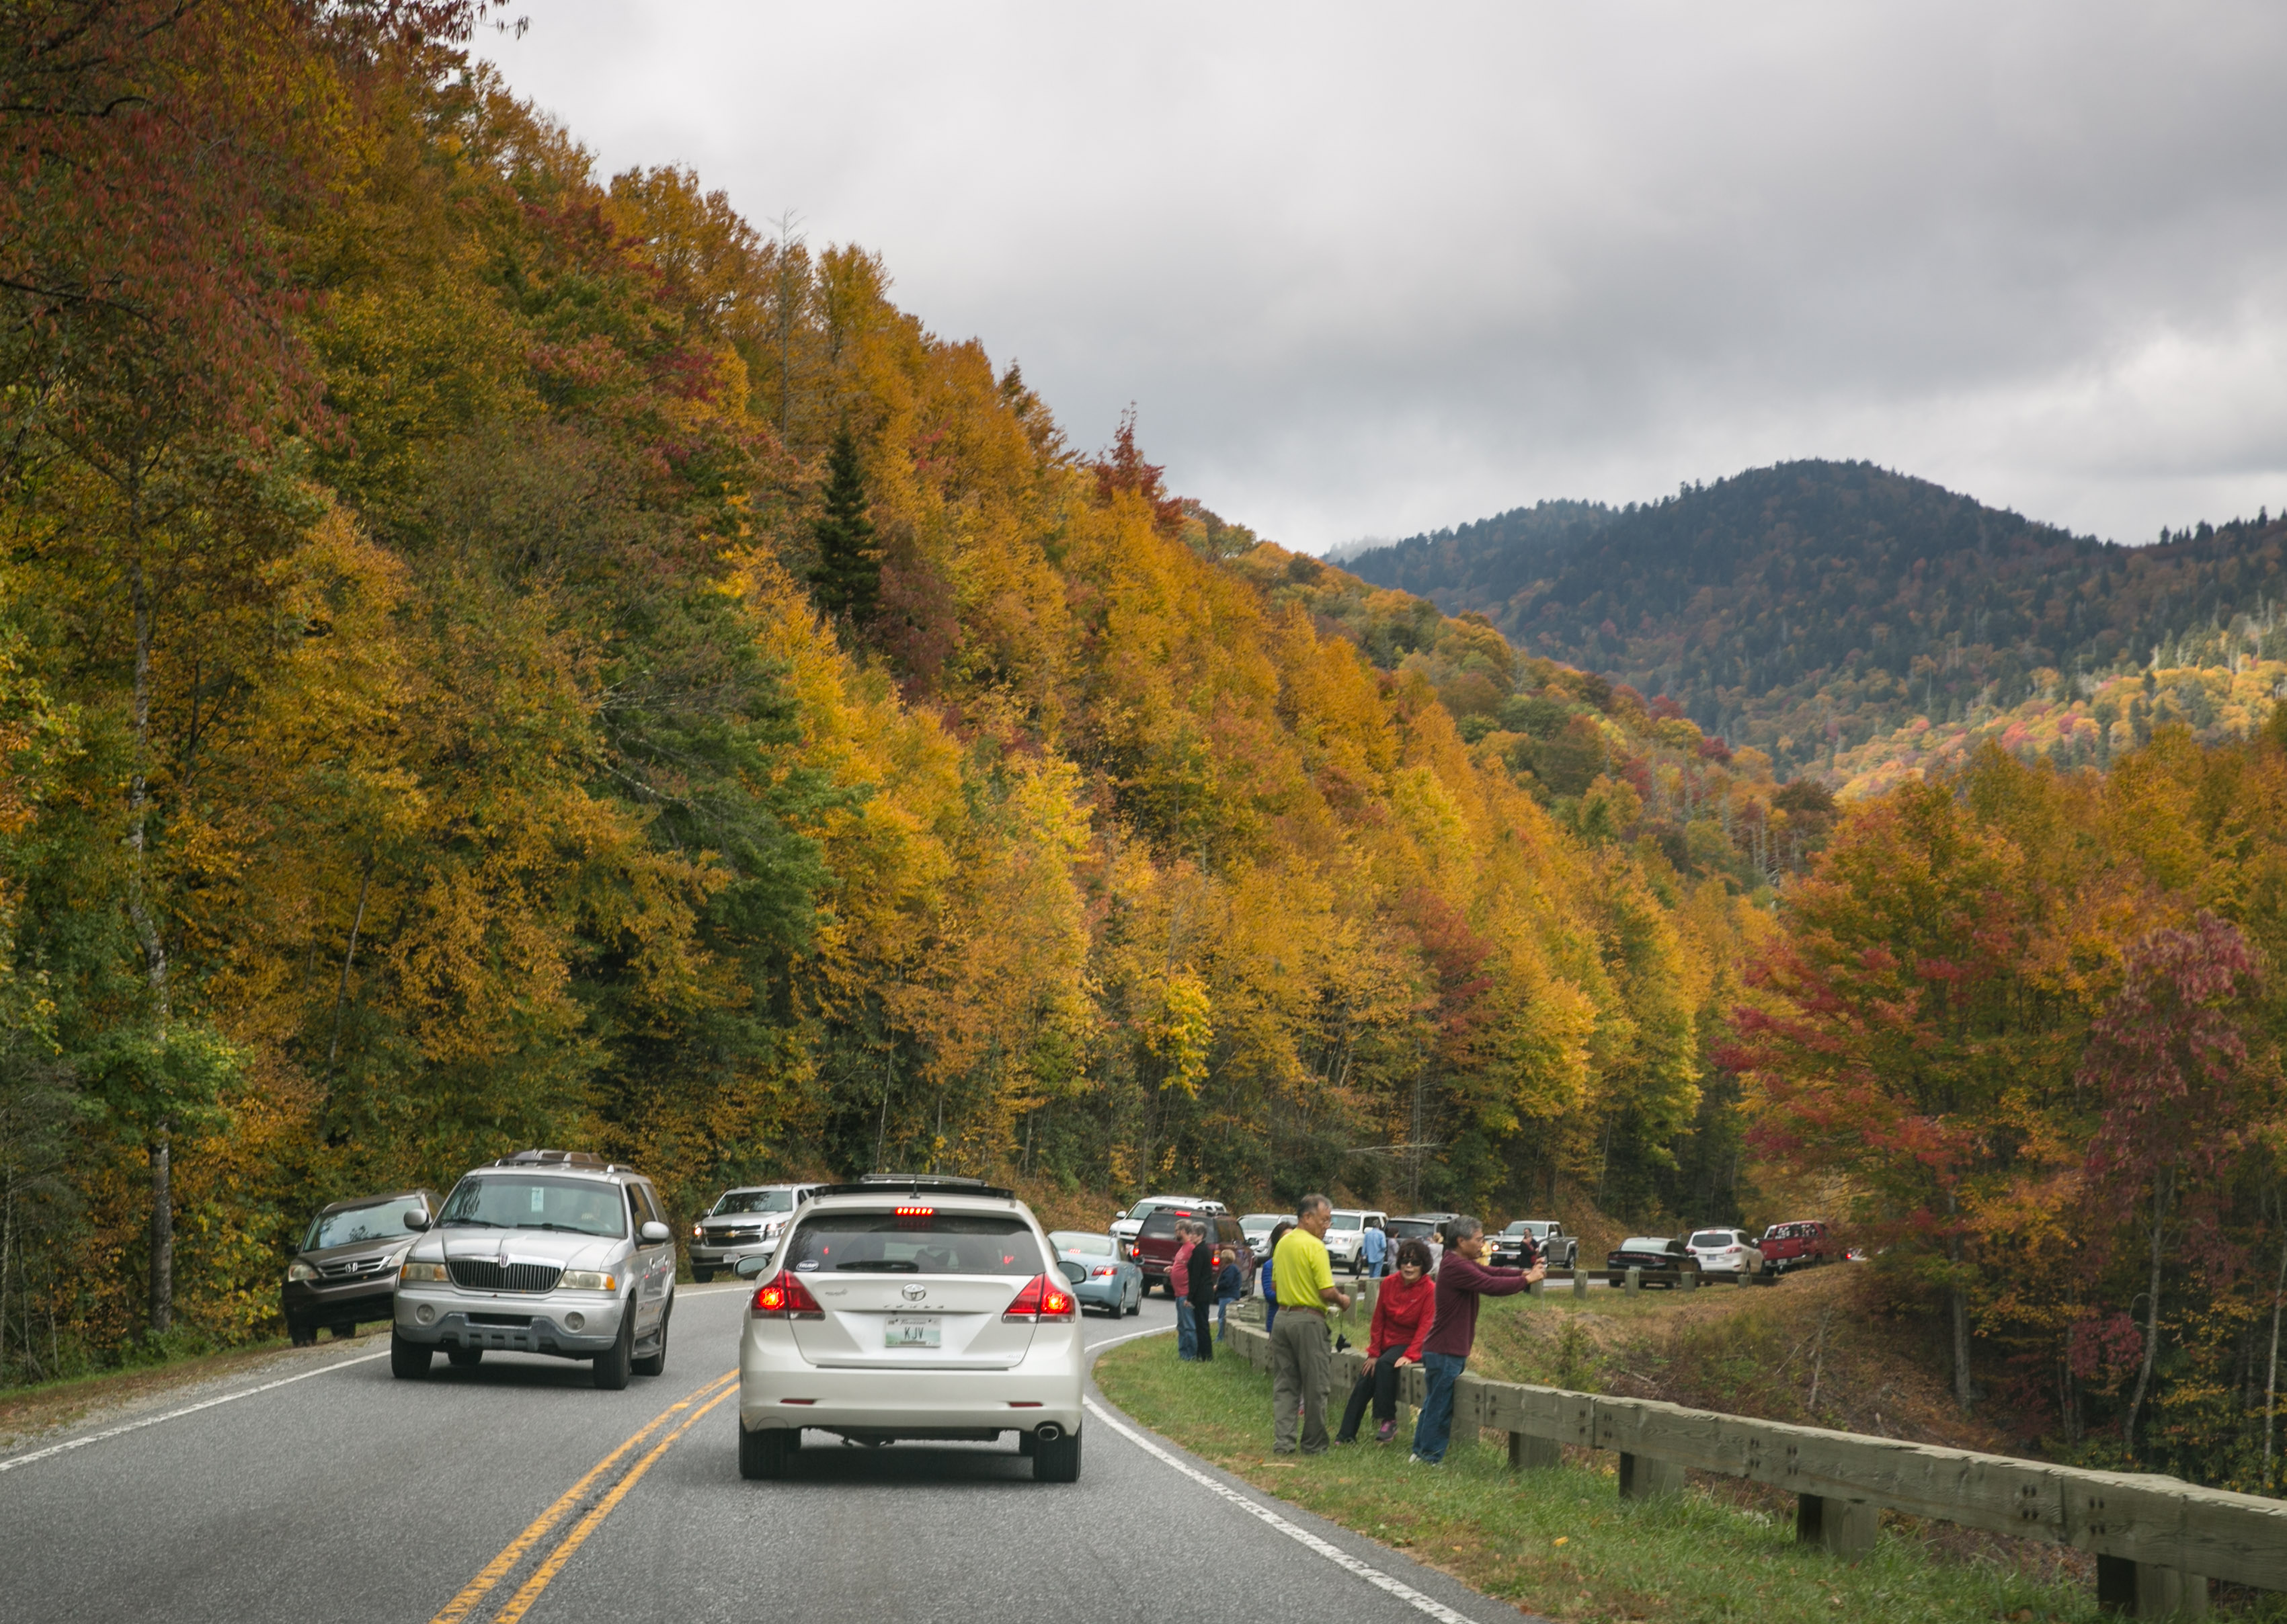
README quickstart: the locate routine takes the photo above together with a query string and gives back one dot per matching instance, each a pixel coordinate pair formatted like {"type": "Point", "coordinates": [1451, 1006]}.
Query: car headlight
{"type": "Point", "coordinates": [587, 1280]}
{"type": "Point", "coordinates": [412, 1271]}
{"type": "Point", "coordinates": [773, 1226]}
{"type": "Point", "coordinates": [299, 1270]}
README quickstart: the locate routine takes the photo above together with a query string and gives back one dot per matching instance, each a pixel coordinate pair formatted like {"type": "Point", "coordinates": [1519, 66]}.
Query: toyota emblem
{"type": "Point", "coordinates": [914, 1294]}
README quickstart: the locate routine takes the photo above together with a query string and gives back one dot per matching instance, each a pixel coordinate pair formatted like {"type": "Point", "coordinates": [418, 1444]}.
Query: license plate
{"type": "Point", "coordinates": [913, 1331]}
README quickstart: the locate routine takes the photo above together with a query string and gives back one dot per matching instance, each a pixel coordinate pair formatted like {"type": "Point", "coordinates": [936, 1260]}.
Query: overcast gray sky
{"type": "Point", "coordinates": [1371, 270]}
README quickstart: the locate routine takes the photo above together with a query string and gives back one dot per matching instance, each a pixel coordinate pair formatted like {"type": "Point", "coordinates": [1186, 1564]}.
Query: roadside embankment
{"type": "Point", "coordinates": [1560, 1542]}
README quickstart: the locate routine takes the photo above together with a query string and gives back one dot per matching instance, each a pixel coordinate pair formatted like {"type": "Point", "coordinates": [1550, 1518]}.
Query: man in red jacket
{"type": "Point", "coordinates": [1462, 1278]}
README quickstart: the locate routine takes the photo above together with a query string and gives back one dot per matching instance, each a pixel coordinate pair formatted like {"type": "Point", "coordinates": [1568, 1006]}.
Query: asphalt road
{"type": "Point", "coordinates": [322, 1489]}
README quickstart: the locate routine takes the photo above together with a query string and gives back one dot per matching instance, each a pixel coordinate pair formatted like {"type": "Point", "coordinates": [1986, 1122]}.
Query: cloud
{"type": "Point", "coordinates": [1370, 270]}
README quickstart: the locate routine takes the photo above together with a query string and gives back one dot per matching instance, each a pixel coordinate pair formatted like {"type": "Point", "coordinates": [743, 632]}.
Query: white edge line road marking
{"type": "Point", "coordinates": [1113, 1342]}
{"type": "Point", "coordinates": [11, 1463]}
{"type": "Point", "coordinates": [1302, 1536]}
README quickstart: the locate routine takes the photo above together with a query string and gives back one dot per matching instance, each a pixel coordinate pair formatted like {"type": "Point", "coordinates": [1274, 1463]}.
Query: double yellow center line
{"type": "Point", "coordinates": [690, 1408]}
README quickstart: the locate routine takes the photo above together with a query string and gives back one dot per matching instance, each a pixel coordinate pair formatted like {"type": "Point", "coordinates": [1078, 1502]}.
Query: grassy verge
{"type": "Point", "coordinates": [42, 1407]}
{"type": "Point", "coordinates": [1562, 1542]}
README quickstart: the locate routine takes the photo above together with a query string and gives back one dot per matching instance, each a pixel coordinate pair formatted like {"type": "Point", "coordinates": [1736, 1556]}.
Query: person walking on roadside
{"type": "Point", "coordinates": [1265, 1284]}
{"type": "Point", "coordinates": [1462, 1278]}
{"type": "Point", "coordinates": [1179, 1282]}
{"type": "Point", "coordinates": [1300, 1348]}
{"type": "Point", "coordinates": [1401, 1324]}
{"type": "Point", "coordinates": [1206, 1270]}
{"type": "Point", "coordinates": [1373, 1248]}
{"type": "Point", "coordinates": [1228, 1280]}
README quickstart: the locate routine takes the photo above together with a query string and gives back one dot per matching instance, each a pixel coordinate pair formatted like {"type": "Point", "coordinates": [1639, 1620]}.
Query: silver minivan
{"type": "Point", "coordinates": [553, 1252]}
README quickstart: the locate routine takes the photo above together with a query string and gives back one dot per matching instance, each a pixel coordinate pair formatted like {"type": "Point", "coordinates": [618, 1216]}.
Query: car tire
{"type": "Point", "coordinates": [701, 1276]}
{"type": "Point", "coordinates": [465, 1358]}
{"type": "Point", "coordinates": [654, 1363]}
{"type": "Point", "coordinates": [1057, 1459]}
{"type": "Point", "coordinates": [611, 1370]}
{"type": "Point", "coordinates": [344, 1331]}
{"type": "Point", "coordinates": [301, 1336]}
{"type": "Point", "coordinates": [408, 1362]}
{"type": "Point", "coordinates": [767, 1454]}
{"type": "Point", "coordinates": [1136, 1305]}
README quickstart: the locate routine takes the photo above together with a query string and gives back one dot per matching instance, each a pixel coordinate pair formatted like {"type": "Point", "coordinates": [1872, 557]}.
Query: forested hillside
{"type": "Point", "coordinates": [498, 656]}
{"type": "Point", "coordinates": [1812, 607]}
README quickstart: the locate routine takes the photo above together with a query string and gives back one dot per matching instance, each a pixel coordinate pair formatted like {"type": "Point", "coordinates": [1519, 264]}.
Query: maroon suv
{"type": "Point", "coordinates": [1804, 1243]}
{"type": "Point", "coordinates": [1154, 1246]}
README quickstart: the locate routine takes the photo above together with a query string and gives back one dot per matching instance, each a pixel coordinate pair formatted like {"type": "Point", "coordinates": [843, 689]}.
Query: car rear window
{"type": "Point", "coordinates": [1713, 1238]}
{"type": "Point", "coordinates": [1081, 1240]}
{"type": "Point", "coordinates": [1411, 1228]}
{"type": "Point", "coordinates": [916, 1241]}
{"type": "Point", "coordinates": [1161, 1224]}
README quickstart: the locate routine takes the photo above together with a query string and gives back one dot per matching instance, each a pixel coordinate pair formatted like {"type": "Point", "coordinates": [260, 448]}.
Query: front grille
{"type": "Point", "coordinates": [355, 1269]}
{"type": "Point", "coordinates": [728, 1237]}
{"type": "Point", "coordinates": [483, 1274]}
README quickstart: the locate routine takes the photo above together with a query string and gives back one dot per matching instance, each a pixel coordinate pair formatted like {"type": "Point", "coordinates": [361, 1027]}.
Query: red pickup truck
{"type": "Point", "coordinates": [1804, 1243]}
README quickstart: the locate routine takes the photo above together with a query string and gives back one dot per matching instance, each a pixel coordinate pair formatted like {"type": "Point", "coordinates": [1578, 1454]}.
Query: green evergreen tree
{"type": "Point", "coordinates": [847, 579]}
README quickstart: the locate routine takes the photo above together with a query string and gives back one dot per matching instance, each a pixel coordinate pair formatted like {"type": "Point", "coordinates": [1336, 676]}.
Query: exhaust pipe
{"type": "Point", "coordinates": [1048, 1432]}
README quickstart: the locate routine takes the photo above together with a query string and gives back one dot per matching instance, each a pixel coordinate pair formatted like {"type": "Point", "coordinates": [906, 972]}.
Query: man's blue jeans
{"type": "Point", "coordinates": [1187, 1330]}
{"type": "Point", "coordinates": [1435, 1430]}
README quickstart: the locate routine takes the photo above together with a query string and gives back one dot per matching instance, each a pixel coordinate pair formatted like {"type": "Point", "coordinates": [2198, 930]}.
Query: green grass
{"type": "Point", "coordinates": [1562, 1542]}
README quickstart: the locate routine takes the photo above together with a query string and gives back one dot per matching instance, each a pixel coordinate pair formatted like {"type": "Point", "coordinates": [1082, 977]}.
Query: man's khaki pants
{"type": "Point", "coordinates": [1300, 1359]}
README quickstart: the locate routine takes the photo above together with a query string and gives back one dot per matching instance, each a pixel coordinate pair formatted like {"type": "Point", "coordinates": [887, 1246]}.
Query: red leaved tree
{"type": "Point", "coordinates": [2181, 1087]}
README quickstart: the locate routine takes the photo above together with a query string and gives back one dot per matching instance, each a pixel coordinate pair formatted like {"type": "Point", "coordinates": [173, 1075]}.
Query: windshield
{"type": "Point", "coordinates": [755, 1200]}
{"type": "Point", "coordinates": [1411, 1228]}
{"type": "Point", "coordinates": [1347, 1220]}
{"type": "Point", "coordinates": [577, 1205]}
{"type": "Point", "coordinates": [923, 1242]}
{"type": "Point", "coordinates": [1080, 1241]}
{"type": "Point", "coordinates": [383, 1221]}
{"type": "Point", "coordinates": [1261, 1222]}
{"type": "Point", "coordinates": [1713, 1238]}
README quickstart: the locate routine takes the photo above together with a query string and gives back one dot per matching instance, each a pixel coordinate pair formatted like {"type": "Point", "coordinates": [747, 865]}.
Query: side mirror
{"type": "Point", "coordinates": [416, 1220]}
{"type": "Point", "coordinates": [1077, 1273]}
{"type": "Point", "coordinates": [655, 1233]}
{"type": "Point", "coordinates": [1120, 1216]}
{"type": "Point", "coordinates": [750, 1265]}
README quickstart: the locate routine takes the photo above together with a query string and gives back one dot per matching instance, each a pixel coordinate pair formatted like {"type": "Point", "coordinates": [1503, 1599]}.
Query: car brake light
{"type": "Point", "coordinates": [1040, 1300]}
{"type": "Point", "coordinates": [1100, 1271]}
{"type": "Point", "coordinates": [783, 1297]}
{"type": "Point", "coordinates": [917, 1212]}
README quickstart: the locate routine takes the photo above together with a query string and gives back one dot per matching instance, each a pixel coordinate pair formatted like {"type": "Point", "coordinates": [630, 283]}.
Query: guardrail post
{"type": "Point", "coordinates": [1579, 1281]}
{"type": "Point", "coordinates": [1641, 1476]}
{"type": "Point", "coordinates": [1687, 1279]}
{"type": "Point", "coordinates": [1528, 1452]}
{"type": "Point", "coordinates": [1845, 1527]}
{"type": "Point", "coordinates": [1635, 1282]}
{"type": "Point", "coordinates": [2147, 1590]}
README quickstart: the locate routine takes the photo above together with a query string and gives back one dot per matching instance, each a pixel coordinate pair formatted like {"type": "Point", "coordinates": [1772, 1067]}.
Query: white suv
{"type": "Point", "coordinates": [911, 1308]}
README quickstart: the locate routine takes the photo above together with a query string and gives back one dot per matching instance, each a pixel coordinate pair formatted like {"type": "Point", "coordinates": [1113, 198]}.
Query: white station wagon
{"type": "Point", "coordinates": [920, 1309]}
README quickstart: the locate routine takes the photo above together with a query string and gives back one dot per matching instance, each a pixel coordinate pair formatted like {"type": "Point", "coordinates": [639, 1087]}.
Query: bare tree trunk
{"type": "Point", "coordinates": [162, 1235]}
{"type": "Point", "coordinates": [1956, 1303]}
{"type": "Point", "coordinates": [2271, 1386]}
{"type": "Point", "coordinates": [342, 993]}
{"type": "Point", "coordinates": [2162, 1187]}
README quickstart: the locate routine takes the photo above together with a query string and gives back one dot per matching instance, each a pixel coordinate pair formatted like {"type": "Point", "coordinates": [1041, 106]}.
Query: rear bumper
{"type": "Point", "coordinates": [778, 1390]}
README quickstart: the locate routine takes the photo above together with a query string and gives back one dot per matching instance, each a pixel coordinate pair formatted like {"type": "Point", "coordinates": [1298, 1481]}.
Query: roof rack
{"type": "Point", "coordinates": [561, 1159]}
{"type": "Point", "coordinates": [875, 1183]}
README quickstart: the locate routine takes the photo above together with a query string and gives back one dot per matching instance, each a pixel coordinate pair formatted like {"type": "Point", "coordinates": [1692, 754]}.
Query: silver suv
{"type": "Point", "coordinates": [554, 1252]}
{"type": "Point", "coordinates": [744, 1221]}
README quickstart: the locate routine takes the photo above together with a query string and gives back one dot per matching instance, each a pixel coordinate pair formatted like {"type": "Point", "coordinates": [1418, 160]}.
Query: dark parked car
{"type": "Point", "coordinates": [1544, 1237]}
{"type": "Point", "coordinates": [1651, 1252]}
{"type": "Point", "coordinates": [1430, 1226]}
{"type": "Point", "coordinates": [1803, 1244]}
{"type": "Point", "coordinates": [1154, 1248]}
{"type": "Point", "coordinates": [346, 1269]}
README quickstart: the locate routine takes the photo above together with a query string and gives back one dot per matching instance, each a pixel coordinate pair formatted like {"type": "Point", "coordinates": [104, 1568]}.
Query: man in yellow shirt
{"type": "Point", "coordinates": [1301, 1349]}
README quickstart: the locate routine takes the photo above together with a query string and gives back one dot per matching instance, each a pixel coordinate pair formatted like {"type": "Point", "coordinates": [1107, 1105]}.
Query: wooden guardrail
{"type": "Point", "coordinates": [2158, 1539]}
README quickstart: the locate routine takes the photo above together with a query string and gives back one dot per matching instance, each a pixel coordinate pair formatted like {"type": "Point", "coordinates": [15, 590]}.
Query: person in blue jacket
{"type": "Point", "coordinates": [1373, 1246]}
{"type": "Point", "coordinates": [1262, 1283]}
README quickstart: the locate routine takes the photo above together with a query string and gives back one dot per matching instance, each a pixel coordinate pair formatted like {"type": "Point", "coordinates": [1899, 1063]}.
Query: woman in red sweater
{"type": "Point", "coordinates": [1402, 1314]}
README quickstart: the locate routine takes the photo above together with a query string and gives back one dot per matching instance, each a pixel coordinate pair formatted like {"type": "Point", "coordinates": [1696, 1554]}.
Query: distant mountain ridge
{"type": "Point", "coordinates": [1812, 606]}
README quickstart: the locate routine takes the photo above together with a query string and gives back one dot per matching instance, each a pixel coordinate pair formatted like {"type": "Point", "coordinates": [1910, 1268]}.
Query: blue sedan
{"type": "Point", "coordinates": [1115, 1285]}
